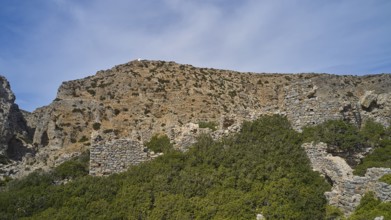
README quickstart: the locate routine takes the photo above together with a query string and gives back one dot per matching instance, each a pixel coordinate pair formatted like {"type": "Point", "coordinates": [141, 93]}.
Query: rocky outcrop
{"type": "Point", "coordinates": [185, 136]}
{"type": "Point", "coordinates": [14, 136]}
{"type": "Point", "coordinates": [368, 99]}
{"type": "Point", "coordinates": [347, 189]}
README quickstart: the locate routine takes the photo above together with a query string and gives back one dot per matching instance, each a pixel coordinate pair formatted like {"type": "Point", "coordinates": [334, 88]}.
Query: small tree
{"type": "Point", "coordinates": [159, 144]}
{"type": "Point", "coordinates": [339, 135]}
{"type": "Point", "coordinates": [372, 133]}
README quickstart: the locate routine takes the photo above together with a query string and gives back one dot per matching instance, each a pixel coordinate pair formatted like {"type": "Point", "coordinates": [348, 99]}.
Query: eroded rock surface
{"type": "Point", "coordinates": [15, 136]}
{"type": "Point", "coordinates": [347, 189]}
{"type": "Point", "coordinates": [13, 128]}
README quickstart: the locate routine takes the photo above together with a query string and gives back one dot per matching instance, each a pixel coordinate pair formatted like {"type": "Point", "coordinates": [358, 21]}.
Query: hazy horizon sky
{"type": "Point", "coordinates": [46, 42]}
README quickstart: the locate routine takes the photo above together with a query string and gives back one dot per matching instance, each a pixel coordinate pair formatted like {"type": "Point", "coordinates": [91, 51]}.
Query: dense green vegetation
{"type": "Point", "coordinates": [344, 136]}
{"type": "Point", "coordinates": [380, 157]}
{"type": "Point", "coordinates": [334, 213]}
{"type": "Point", "coordinates": [347, 138]}
{"type": "Point", "coordinates": [370, 207]}
{"type": "Point", "coordinates": [339, 135]}
{"type": "Point", "coordinates": [262, 169]}
{"type": "Point", "coordinates": [379, 138]}
{"type": "Point", "coordinates": [73, 168]}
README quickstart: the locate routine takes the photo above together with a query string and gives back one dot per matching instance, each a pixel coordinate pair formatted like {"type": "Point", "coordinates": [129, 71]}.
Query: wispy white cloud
{"type": "Point", "coordinates": [64, 40]}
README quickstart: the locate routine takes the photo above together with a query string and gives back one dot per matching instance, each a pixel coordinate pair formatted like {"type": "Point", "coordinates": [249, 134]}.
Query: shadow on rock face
{"type": "Point", "coordinates": [16, 149]}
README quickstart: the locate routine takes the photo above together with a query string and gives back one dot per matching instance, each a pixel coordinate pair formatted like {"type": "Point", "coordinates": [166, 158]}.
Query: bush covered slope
{"type": "Point", "coordinates": [262, 169]}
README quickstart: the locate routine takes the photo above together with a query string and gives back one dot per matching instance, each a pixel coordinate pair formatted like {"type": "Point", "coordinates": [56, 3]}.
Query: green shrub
{"type": "Point", "coordinates": [70, 170]}
{"type": "Point", "coordinates": [108, 131]}
{"type": "Point", "coordinates": [34, 179]}
{"type": "Point", "coordinates": [339, 135]}
{"type": "Point", "coordinates": [91, 91]}
{"type": "Point", "coordinates": [96, 126]}
{"type": "Point", "coordinates": [372, 133]}
{"type": "Point", "coordinates": [349, 94]}
{"type": "Point", "coordinates": [232, 93]}
{"type": "Point", "coordinates": [159, 144]}
{"type": "Point", "coordinates": [386, 178]}
{"type": "Point", "coordinates": [387, 136]}
{"type": "Point", "coordinates": [211, 125]}
{"type": "Point", "coordinates": [346, 137]}
{"type": "Point", "coordinates": [83, 139]}
{"type": "Point", "coordinates": [5, 181]}
{"type": "Point", "coordinates": [380, 157]}
{"type": "Point", "coordinates": [78, 110]}
{"type": "Point", "coordinates": [370, 208]}
{"type": "Point", "coordinates": [73, 168]}
{"type": "Point", "coordinates": [333, 213]}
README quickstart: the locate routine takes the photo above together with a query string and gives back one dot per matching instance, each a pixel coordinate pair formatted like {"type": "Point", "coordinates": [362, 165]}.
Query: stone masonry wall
{"type": "Point", "coordinates": [309, 103]}
{"type": "Point", "coordinates": [347, 189]}
{"type": "Point", "coordinates": [304, 107]}
{"type": "Point", "coordinates": [116, 156]}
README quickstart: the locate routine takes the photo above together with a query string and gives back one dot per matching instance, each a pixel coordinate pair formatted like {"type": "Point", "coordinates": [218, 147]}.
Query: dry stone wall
{"type": "Point", "coordinates": [109, 154]}
{"type": "Point", "coordinates": [116, 156]}
{"type": "Point", "coordinates": [347, 189]}
{"type": "Point", "coordinates": [304, 107]}
{"type": "Point", "coordinates": [310, 102]}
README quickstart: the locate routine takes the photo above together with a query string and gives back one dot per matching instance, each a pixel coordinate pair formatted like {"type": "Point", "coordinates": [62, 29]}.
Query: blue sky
{"type": "Point", "coordinates": [46, 42]}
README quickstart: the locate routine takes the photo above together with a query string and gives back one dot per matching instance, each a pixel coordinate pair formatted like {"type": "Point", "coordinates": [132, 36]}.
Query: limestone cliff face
{"type": "Point", "coordinates": [13, 129]}
{"type": "Point", "coordinates": [141, 98]}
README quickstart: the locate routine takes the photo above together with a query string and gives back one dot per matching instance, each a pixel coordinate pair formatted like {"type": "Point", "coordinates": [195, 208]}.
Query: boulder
{"type": "Point", "coordinates": [368, 99]}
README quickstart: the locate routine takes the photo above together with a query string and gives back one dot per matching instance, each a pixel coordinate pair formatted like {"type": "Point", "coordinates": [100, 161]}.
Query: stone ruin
{"type": "Point", "coordinates": [109, 154]}
{"type": "Point", "coordinates": [347, 189]}
{"type": "Point", "coordinates": [116, 155]}
{"type": "Point", "coordinates": [306, 104]}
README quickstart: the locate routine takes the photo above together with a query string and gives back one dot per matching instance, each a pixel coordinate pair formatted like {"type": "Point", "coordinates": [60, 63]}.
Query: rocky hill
{"type": "Point", "coordinates": [113, 113]}
{"type": "Point", "coordinates": [141, 98]}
